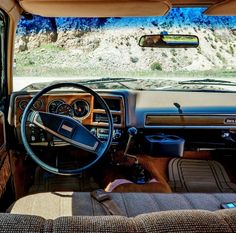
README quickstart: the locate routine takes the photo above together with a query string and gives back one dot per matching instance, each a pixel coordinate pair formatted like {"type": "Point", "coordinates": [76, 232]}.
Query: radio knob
{"type": "Point", "coordinates": [117, 134]}
{"type": "Point", "coordinates": [33, 138]}
{"type": "Point", "coordinates": [42, 138]}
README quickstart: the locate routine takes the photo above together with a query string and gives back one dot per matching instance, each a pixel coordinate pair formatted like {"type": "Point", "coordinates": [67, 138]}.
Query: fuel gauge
{"type": "Point", "coordinates": [65, 109]}
{"type": "Point", "coordinates": [80, 108]}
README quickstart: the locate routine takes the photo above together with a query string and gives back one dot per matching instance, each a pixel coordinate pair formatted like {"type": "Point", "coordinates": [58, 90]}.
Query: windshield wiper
{"type": "Point", "coordinates": [120, 81]}
{"type": "Point", "coordinates": [208, 81]}
{"type": "Point", "coordinates": [108, 80]}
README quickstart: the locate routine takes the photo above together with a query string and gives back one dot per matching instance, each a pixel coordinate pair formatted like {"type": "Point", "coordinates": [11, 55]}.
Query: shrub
{"type": "Point", "coordinates": [174, 53]}
{"type": "Point", "coordinates": [163, 54]}
{"type": "Point", "coordinates": [220, 57]}
{"type": "Point", "coordinates": [231, 50]}
{"type": "Point", "coordinates": [134, 59]}
{"type": "Point", "coordinates": [173, 60]}
{"type": "Point", "coordinates": [213, 46]}
{"type": "Point", "coordinates": [156, 66]}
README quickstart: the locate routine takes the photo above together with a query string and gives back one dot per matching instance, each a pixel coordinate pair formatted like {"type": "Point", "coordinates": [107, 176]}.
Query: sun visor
{"type": "Point", "coordinates": [225, 8]}
{"type": "Point", "coordinates": [96, 8]}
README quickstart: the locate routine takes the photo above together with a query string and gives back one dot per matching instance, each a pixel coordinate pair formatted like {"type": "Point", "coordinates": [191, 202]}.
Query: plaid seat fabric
{"type": "Point", "coordinates": [166, 221]}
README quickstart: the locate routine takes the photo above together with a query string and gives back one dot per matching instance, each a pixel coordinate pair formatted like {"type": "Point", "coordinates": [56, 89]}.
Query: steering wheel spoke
{"type": "Point", "coordinates": [68, 130]}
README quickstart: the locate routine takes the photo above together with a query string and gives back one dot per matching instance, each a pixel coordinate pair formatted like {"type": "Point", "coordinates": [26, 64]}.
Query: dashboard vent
{"type": "Point", "coordinates": [113, 104]}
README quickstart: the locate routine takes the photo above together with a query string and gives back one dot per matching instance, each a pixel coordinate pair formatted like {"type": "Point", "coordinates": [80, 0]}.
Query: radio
{"type": "Point", "coordinates": [102, 133]}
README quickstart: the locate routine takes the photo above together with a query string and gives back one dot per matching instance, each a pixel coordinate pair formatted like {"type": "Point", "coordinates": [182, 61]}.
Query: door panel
{"type": "Point", "coordinates": [5, 171]}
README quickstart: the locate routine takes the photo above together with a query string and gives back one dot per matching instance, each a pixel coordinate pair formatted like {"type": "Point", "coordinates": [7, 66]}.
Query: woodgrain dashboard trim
{"type": "Point", "coordinates": [69, 98]}
{"type": "Point", "coordinates": [190, 121]}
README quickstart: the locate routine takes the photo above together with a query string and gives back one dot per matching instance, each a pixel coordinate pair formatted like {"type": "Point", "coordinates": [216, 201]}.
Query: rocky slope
{"type": "Point", "coordinates": [66, 46]}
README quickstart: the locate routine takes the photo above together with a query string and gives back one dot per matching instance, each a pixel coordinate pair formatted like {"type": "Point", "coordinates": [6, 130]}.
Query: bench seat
{"type": "Point", "coordinates": [165, 221]}
{"type": "Point", "coordinates": [60, 204]}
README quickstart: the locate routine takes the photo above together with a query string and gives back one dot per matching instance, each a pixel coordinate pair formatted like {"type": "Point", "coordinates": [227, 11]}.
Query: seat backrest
{"type": "Point", "coordinates": [166, 221]}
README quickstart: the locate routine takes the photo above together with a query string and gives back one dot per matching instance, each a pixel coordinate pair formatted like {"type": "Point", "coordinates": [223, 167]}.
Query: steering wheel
{"type": "Point", "coordinates": [67, 129]}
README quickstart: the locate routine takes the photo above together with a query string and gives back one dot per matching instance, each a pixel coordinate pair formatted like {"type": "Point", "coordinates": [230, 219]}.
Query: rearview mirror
{"type": "Point", "coordinates": [169, 41]}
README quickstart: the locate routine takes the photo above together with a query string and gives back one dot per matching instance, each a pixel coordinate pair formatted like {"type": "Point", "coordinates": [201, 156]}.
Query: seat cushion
{"type": "Point", "coordinates": [229, 216]}
{"type": "Point", "coordinates": [21, 223]}
{"type": "Point", "coordinates": [166, 221]}
{"type": "Point", "coordinates": [58, 204]}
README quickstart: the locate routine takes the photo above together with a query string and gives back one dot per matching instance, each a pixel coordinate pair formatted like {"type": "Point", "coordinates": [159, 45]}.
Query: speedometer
{"type": "Point", "coordinates": [65, 109]}
{"type": "Point", "coordinates": [52, 108]}
{"type": "Point", "coordinates": [80, 108]}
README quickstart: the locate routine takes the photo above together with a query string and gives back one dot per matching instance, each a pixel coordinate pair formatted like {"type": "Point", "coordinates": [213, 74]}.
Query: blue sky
{"type": "Point", "coordinates": [192, 17]}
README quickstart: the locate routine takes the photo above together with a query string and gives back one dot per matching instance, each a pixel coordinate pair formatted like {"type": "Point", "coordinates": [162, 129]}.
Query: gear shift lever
{"type": "Point", "coordinates": [131, 131]}
{"type": "Point", "coordinates": [138, 172]}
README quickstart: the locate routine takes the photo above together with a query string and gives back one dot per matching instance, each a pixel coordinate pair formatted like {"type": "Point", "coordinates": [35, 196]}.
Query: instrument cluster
{"type": "Point", "coordinates": [79, 108]}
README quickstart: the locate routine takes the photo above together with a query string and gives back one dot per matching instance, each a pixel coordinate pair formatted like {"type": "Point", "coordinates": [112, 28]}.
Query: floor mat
{"type": "Point", "coordinates": [47, 182]}
{"type": "Point", "coordinates": [190, 175]}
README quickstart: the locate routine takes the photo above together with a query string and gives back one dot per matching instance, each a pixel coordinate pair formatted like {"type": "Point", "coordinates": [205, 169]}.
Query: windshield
{"type": "Point", "coordinates": [106, 52]}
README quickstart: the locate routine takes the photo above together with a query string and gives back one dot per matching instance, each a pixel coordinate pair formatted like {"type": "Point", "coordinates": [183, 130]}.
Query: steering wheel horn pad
{"type": "Point", "coordinates": [67, 129]}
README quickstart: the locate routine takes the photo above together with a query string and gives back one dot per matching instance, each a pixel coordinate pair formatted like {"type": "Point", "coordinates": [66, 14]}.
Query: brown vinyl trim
{"type": "Point", "coordinates": [225, 8]}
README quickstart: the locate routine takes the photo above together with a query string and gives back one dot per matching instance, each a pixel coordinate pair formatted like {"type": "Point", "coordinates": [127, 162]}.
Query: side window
{"type": "Point", "coordinates": [5, 171]}
{"type": "Point", "coordinates": [3, 49]}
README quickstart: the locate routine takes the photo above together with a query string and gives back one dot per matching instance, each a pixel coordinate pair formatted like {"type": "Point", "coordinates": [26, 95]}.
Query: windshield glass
{"type": "Point", "coordinates": [106, 52]}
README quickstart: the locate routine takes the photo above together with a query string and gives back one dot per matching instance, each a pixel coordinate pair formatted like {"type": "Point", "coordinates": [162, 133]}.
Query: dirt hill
{"type": "Point", "coordinates": [107, 46]}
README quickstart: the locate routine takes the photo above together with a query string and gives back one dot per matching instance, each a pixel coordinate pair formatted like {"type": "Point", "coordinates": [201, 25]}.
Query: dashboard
{"type": "Point", "coordinates": [151, 112]}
